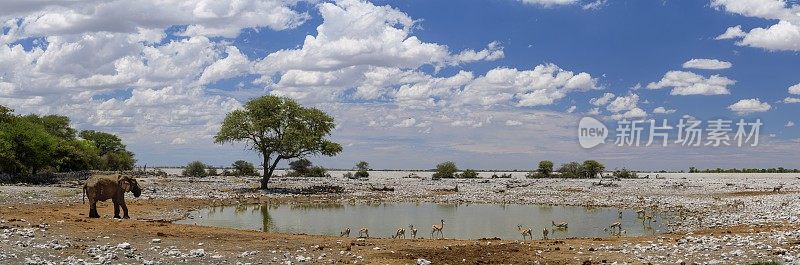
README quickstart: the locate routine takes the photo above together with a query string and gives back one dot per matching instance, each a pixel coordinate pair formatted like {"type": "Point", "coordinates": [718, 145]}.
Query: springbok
{"type": "Point", "coordinates": [615, 225]}
{"type": "Point", "coordinates": [544, 233]}
{"type": "Point", "coordinates": [437, 228]}
{"type": "Point", "coordinates": [363, 231]}
{"type": "Point", "coordinates": [524, 232]}
{"type": "Point", "coordinates": [345, 232]}
{"type": "Point", "coordinates": [413, 231]}
{"type": "Point", "coordinates": [561, 225]}
{"type": "Point", "coordinates": [400, 232]}
{"type": "Point", "coordinates": [640, 213]}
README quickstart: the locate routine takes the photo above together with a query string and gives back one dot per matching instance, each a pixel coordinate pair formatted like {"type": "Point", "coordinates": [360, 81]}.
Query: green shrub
{"type": "Point", "coordinates": [212, 171]}
{"type": "Point", "coordinates": [362, 174]}
{"type": "Point", "coordinates": [243, 168]}
{"type": "Point", "coordinates": [194, 169]}
{"type": "Point", "coordinates": [571, 170]}
{"type": "Point", "coordinates": [545, 168]}
{"type": "Point", "coordinates": [317, 172]}
{"type": "Point", "coordinates": [536, 175]}
{"type": "Point", "coordinates": [625, 174]}
{"type": "Point", "coordinates": [468, 174]}
{"type": "Point", "coordinates": [447, 169]}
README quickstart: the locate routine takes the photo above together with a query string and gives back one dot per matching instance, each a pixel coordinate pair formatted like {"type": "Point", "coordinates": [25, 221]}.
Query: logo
{"type": "Point", "coordinates": [591, 132]}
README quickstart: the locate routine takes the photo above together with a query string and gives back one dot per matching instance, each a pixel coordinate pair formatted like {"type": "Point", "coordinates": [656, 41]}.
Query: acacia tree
{"type": "Point", "coordinates": [279, 128]}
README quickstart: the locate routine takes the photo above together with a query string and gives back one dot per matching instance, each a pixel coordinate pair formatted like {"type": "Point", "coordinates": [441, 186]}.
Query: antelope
{"type": "Point", "coordinates": [400, 232]}
{"type": "Point", "coordinates": [524, 232]}
{"type": "Point", "coordinates": [437, 228]}
{"type": "Point", "coordinates": [620, 214]}
{"type": "Point", "coordinates": [640, 213]}
{"type": "Point", "coordinates": [647, 218]}
{"type": "Point", "coordinates": [561, 225]}
{"type": "Point", "coordinates": [363, 231]}
{"type": "Point", "coordinates": [345, 232]}
{"type": "Point", "coordinates": [413, 231]}
{"type": "Point", "coordinates": [544, 233]}
{"type": "Point", "coordinates": [615, 225]}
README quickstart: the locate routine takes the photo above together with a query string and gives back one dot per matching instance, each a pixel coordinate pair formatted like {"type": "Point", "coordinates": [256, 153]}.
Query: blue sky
{"type": "Point", "coordinates": [488, 84]}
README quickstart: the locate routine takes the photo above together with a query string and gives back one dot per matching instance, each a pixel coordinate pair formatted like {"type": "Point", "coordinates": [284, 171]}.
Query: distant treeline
{"type": "Point", "coordinates": [744, 170]}
{"type": "Point", "coordinates": [33, 144]}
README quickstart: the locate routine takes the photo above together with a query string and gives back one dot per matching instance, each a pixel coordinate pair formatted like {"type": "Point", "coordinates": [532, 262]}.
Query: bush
{"type": "Point", "coordinates": [194, 169]}
{"type": "Point", "coordinates": [362, 174]}
{"type": "Point", "coordinates": [226, 172]}
{"type": "Point", "coordinates": [536, 175]}
{"type": "Point", "coordinates": [362, 167]}
{"type": "Point", "coordinates": [317, 172]}
{"type": "Point", "coordinates": [447, 169]}
{"type": "Point", "coordinates": [625, 174]}
{"type": "Point", "coordinates": [545, 168]}
{"type": "Point", "coordinates": [212, 171]}
{"type": "Point", "coordinates": [243, 168]}
{"type": "Point", "coordinates": [468, 174]}
{"type": "Point", "coordinates": [593, 168]}
{"type": "Point", "coordinates": [571, 170]}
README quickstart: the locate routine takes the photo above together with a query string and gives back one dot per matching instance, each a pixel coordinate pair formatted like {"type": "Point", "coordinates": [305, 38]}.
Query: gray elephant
{"type": "Point", "coordinates": [104, 187]}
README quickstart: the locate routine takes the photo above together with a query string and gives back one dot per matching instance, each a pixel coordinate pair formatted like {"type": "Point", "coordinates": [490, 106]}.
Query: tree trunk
{"type": "Point", "coordinates": [268, 170]}
{"type": "Point", "coordinates": [267, 173]}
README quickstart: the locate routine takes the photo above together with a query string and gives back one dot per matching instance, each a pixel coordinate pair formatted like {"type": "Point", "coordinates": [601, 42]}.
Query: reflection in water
{"type": "Point", "coordinates": [463, 221]}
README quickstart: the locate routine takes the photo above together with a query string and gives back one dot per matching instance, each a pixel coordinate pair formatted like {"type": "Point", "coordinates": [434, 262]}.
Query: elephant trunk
{"type": "Point", "coordinates": [136, 191]}
{"type": "Point", "coordinates": [83, 198]}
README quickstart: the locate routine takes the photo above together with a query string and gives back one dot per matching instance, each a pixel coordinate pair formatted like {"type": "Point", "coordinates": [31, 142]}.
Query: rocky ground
{"type": "Point", "coordinates": [715, 219]}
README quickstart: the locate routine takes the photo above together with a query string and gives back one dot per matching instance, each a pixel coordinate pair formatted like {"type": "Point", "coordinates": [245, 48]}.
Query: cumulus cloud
{"type": "Point", "coordinates": [707, 64]}
{"type": "Point", "coordinates": [790, 100]}
{"type": "Point", "coordinates": [790, 124]}
{"type": "Point", "coordinates": [605, 99]}
{"type": "Point", "coordinates": [687, 83]}
{"type": "Point", "coordinates": [626, 107]}
{"type": "Point", "coordinates": [406, 123]}
{"type": "Point", "coordinates": [794, 90]}
{"type": "Point", "coordinates": [543, 85]}
{"type": "Point", "coordinates": [571, 109]}
{"type": "Point", "coordinates": [662, 110]}
{"type": "Point", "coordinates": [782, 36]}
{"type": "Point", "coordinates": [747, 106]}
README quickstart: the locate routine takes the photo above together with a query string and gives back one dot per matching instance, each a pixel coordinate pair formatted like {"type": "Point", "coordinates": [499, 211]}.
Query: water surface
{"type": "Point", "coordinates": [462, 221]}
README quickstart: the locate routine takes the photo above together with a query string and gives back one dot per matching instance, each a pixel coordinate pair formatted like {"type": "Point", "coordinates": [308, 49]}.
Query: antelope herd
{"type": "Point", "coordinates": [614, 228]}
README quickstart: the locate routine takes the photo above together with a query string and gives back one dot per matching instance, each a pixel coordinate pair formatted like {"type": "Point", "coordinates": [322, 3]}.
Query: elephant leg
{"type": "Point", "coordinates": [93, 209]}
{"type": "Point", "coordinates": [116, 208]}
{"type": "Point", "coordinates": [124, 210]}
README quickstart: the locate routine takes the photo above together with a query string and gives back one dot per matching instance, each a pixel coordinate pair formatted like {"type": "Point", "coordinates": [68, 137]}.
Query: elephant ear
{"type": "Point", "coordinates": [124, 183]}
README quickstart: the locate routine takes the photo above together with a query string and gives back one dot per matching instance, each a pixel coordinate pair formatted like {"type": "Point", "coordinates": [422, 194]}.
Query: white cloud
{"type": "Point", "coordinates": [785, 35]}
{"type": "Point", "coordinates": [550, 3]}
{"type": "Point", "coordinates": [662, 110]}
{"type": "Point", "coordinates": [707, 64]}
{"type": "Point", "coordinates": [367, 47]}
{"type": "Point", "coordinates": [790, 124]}
{"type": "Point", "coordinates": [794, 90]}
{"type": "Point", "coordinates": [231, 66]}
{"type": "Point", "coordinates": [790, 100]}
{"type": "Point", "coordinates": [207, 18]}
{"type": "Point", "coordinates": [687, 83]}
{"type": "Point", "coordinates": [406, 123]}
{"type": "Point", "coordinates": [602, 100]}
{"type": "Point", "coordinates": [594, 111]}
{"type": "Point", "coordinates": [626, 107]}
{"type": "Point", "coordinates": [747, 106]}
{"type": "Point", "coordinates": [623, 103]}
{"type": "Point", "coordinates": [513, 123]}
{"type": "Point", "coordinates": [734, 32]}
{"type": "Point", "coordinates": [572, 109]}
{"type": "Point", "coordinates": [630, 114]}
{"type": "Point", "coordinates": [594, 5]}
{"type": "Point", "coordinates": [543, 85]}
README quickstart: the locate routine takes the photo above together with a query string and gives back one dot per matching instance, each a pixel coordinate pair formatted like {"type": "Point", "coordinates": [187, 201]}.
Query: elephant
{"type": "Point", "coordinates": [104, 187]}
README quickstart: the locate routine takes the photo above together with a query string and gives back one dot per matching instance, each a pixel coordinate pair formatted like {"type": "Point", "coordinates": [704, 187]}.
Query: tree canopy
{"type": "Point", "coordinates": [32, 143]}
{"type": "Point", "coordinates": [279, 128]}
